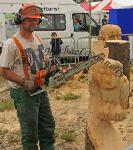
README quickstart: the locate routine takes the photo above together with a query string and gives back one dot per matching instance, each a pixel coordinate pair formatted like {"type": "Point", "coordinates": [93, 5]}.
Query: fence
{"type": "Point", "coordinates": [72, 50]}
{"type": "Point", "coordinates": [75, 50]}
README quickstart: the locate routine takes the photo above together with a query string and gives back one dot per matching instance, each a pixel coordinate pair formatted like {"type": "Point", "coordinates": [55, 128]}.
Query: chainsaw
{"type": "Point", "coordinates": [59, 78]}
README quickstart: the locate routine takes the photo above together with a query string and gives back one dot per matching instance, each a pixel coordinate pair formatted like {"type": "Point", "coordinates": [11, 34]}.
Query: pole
{"type": "Point", "coordinates": [90, 26]}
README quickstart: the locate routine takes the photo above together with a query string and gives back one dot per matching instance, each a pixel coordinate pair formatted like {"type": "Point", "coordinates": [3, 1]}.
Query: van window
{"type": "Point", "coordinates": [81, 23]}
{"type": "Point", "coordinates": [53, 22]}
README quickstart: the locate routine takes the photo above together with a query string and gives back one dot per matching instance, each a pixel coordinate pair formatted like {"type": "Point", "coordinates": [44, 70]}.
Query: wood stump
{"type": "Point", "coordinates": [119, 50]}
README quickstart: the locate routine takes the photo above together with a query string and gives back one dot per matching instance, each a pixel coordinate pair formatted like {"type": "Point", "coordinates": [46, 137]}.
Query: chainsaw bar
{"type": "Point", "coordinates": [59, 78]}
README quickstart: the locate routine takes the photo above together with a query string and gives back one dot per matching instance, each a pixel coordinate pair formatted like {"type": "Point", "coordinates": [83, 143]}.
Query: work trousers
{"type": "Point", "coordinates": [35, 118]}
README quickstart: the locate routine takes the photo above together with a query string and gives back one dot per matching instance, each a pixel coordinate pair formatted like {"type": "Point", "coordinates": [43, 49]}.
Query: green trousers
{"type": "Point", "coordinates": [35, 118]}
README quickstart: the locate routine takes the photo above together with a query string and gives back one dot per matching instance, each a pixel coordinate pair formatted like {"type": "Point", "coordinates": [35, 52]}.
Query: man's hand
{"type": "Point", "coordinates": [28, 85]}
{"type": "Point", "coordinates": [46, 59]}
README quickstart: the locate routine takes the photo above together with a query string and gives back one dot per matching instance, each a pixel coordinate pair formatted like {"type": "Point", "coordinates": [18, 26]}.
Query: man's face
{"type": "Point", "coordinates": [54, 36]}
{"type": "Point", "coordinates": [29, 24]}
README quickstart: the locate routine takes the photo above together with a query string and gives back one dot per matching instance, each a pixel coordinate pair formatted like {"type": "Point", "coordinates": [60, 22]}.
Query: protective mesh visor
{"type": "Point", "coordinates": [31, 12]}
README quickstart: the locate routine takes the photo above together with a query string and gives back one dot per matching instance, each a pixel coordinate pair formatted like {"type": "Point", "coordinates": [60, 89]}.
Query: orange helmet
{"type": "Point", "coordinates": [31, 11]}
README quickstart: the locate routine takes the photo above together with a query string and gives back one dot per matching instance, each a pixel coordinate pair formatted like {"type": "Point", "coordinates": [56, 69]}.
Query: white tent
{"type": "Point", "coordinates": [106, 5]}
{"type": "Point", "coordinates": [122, 4]}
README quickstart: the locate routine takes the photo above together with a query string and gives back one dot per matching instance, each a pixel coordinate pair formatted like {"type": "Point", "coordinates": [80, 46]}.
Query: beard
{"type": "Point", "coordinates": [29, 28]}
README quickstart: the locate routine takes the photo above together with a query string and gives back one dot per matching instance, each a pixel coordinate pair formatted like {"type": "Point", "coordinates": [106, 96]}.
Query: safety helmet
{"type": "Point", "coordinates": [28, 11]}
{"type": "Point", "coordinates": [31, 11]}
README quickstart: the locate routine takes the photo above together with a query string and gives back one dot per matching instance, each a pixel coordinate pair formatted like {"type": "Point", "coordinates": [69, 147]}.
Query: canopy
{"type": "Point", "coordinates": [106, 5]}
{"type": "Point", "coordinates": [116, 4]}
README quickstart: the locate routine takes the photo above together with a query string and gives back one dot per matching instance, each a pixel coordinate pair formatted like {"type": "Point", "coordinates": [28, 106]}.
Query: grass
{"type": "Point", "coordinates": [6, 105]}
{"type": "Point", "coordinates": [59, 97]}
{"type": "Point", "coordinates": [67, 96]}
{"type": "Point", "coordinates": [68, 136]}
{"type": "Point", "coordinates": [71, 96]}
{"type": "Point", "coordinates": [83, 78]}
{"type": "Point", "coordinates": [3, 132]}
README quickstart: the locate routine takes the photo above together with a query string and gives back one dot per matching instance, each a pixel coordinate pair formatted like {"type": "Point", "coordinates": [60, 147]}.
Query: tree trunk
{"type": "Point", "coordinates": [119, 50]}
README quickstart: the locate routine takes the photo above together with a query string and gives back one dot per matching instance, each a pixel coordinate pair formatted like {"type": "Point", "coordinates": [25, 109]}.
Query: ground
{"type": "Point", "coordinates": [69, 105]}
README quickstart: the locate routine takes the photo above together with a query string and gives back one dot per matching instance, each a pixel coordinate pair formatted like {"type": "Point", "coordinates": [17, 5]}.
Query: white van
{"type": "Point", "coordinates": [59, 19]}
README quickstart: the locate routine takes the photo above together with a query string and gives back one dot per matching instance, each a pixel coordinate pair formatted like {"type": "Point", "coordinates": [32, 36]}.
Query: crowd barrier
{"type": "Point", "coordinates": [76, 50]}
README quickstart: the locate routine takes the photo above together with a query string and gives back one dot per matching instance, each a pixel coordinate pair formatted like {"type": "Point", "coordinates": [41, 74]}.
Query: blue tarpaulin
{"type": "Point", "coordinates": [123, 18]}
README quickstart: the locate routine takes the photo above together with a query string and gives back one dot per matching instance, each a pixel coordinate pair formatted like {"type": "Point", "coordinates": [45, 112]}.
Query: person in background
{"type": "Point", "coordinates": [56, 43]}
{"type": "Point", "coordinates": [105, 20]}
{"type": "Point", "coordinates": [76, 24]}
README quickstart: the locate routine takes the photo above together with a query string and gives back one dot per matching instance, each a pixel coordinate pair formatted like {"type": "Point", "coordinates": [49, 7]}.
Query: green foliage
{"type": "Point", "coordinates": [71, 96]}
{"type": "Point", "coordinates": [6, 105]}
{"type": "Point", "coordinates": [68, 136]}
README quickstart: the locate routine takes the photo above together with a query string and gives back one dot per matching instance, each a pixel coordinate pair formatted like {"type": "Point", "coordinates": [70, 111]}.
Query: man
{"type": "Point", "coordinates": [105, 20]}
{"type": "Point", "coordinates": [56, 43]}
{"type": "Point", "coordinates": [22, 56]}
{"type": "Point", "coordinates": [76, 23]}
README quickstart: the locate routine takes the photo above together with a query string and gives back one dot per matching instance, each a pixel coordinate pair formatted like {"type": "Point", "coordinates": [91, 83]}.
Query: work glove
{"type": "Point", "coordinates": [28, 85]}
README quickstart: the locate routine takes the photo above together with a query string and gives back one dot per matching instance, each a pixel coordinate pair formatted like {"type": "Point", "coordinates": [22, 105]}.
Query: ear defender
{"type": "Point", "coordinates": [28, 11]}
{"type": "Point", "coordinates": [40, 20]}
{"type": "Point", "coordinates": [17, 18]}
